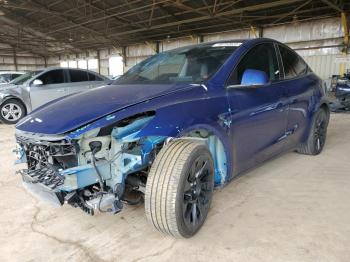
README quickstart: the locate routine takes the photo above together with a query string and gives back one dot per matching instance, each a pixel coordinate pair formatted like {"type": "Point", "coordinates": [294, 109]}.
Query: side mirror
{"type": "Point", "coordinates": [37, 82]}
{"type": "Point", "coordinates": [252, 77]}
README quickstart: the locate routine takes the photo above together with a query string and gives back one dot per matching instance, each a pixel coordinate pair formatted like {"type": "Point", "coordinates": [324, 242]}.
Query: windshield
{"type": "Point", "coordinates": [183, 65]}
{"type": "Point", "coordinates": [23, 78]}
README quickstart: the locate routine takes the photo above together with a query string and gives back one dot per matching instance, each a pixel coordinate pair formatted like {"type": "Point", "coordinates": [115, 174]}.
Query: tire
{"type": "Point", "coordinates": [177, 203]}
{"type": "Point", "coordinates": [317, 136]}
{"type": "Point", "coordinates": [11, 111]}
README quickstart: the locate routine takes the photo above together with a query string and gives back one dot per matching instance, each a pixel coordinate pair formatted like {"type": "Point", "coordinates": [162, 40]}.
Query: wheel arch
{"type": "Point", "coordinates": [9, 97]}
{"type": "Point", "coordinates": [323, 104]}
{"type": "Point", "coordinates": [214, 137]}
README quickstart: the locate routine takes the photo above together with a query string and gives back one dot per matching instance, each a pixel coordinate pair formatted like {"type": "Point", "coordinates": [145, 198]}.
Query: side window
{"type": "Point", "coordinates": [261, 57]}
{"type": "Point", "coordinates": [293, 65]}
{"type": "Point", "coordinates": [93, 77]}
{"type": "Point", "coordinates": [13, 76]}
{"type": "Point", "coordinates": [78, 76]}
{"type": "Point", "coordinates": [52, 77]}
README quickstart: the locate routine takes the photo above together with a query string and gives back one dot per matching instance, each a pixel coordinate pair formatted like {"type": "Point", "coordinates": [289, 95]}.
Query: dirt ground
{"type": "Point", "coordinates": [294, 208]}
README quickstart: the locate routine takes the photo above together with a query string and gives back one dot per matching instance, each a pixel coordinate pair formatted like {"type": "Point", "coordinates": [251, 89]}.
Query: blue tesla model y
{"type": "Point", "coordinates": [173, 128]}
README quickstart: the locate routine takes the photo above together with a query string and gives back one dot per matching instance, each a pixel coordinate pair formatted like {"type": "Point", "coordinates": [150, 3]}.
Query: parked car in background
{"type": "Point", "coordinates": [35, 88]}
{"type": "Point", "coordinates": [342, 92]}
{"type": "Point", "coordinates": [7, 76]}
{"type": "Point", "coordinates": [173, 127]}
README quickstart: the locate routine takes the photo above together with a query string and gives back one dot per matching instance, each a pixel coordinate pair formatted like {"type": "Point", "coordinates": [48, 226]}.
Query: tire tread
{"type": "Point", "coordinates": [162, 186]}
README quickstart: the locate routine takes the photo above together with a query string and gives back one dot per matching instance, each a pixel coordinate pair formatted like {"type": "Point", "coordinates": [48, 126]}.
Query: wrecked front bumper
{"type": "Point", "coordinates": [93, 170]}
{"type": "Point", "coordinates": [42, 192]}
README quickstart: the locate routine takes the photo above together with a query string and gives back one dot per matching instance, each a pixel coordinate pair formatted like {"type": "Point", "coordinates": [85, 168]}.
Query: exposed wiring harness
{"type": "Point", "coordinates": [95, 146]}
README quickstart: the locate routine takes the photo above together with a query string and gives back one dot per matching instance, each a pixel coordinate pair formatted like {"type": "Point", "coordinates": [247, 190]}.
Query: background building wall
{"type": "Point", "coordinates": [318, 42]}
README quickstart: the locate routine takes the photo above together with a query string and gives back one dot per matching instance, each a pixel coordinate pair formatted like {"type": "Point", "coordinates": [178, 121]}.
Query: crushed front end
{"type": "Point", "coordinates": [99, 169]}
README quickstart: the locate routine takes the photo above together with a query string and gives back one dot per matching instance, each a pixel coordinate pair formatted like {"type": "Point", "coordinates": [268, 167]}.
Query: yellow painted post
{"type": "Point", "coordinates": [252, 28]}
{"type": "Point", "coordinates": [346, 28]}
{"type": "Point", "coordinates": [342, 68]}
{"type": "Point", "coordinates": [346, 41]}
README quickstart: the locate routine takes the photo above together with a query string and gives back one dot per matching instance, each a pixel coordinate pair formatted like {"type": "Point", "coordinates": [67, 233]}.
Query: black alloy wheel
{"type": "Point", "coordinates": [198, 190]}
{"type": "Point", "coordinates": [320, 132]}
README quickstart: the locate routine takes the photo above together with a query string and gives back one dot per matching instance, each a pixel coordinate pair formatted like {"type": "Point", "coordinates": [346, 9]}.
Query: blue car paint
{"type": "Point", "coordinates": [259, 120]}
{"type": "Point", "coordinates": [253, 125]}
{"type": "Point", "coordinates": [76, 110]}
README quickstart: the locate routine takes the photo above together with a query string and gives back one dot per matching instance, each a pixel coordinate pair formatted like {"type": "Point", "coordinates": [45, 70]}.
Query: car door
{"type": "Point", "coordinates": [298, 83]}
{"type": "Point", "coordinates": [79, 81]}
{"type": "Point", "coordinates": [258, 114]}
{"type": "Point", "coordinates": [53, 86]}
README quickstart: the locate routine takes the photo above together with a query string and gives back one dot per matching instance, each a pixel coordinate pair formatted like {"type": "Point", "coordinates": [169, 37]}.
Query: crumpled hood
{"type": "Point", "coordinates": [74, 111]}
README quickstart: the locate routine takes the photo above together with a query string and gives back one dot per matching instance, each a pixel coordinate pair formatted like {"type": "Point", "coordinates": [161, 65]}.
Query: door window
{"type": "Point", "coordinates": [78, 76]}
{"type": "Point", "coordinates": [261, 57]}
{"type": "Point", "coordinates": [93, 77]}
{"type": "Point", "coordinates": [293, 65]}
{"type": "Point", "coordinates": [52, 77]}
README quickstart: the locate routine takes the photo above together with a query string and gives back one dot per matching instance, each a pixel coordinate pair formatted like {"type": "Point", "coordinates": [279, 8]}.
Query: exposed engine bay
{"type": "Point", "coordinates": [101, 169]}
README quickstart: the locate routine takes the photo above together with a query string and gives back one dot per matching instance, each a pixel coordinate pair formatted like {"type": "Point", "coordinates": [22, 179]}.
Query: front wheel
{"type": "Point", "coordinates": [11, 111]}
{"type": "Point", "coordinates": [179, 188]}
{"type": "Point", "coordinates": [317, 136]}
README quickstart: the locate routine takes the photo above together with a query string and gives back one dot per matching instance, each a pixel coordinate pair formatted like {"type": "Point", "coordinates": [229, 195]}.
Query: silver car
{"type": "Point", "coordinates": [7, 76]}
{"type": "Point", "coordinates": [33, 89]}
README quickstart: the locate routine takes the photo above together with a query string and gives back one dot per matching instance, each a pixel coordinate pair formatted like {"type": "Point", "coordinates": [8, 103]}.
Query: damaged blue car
{"type": "Point", "coordinates": [173, 128]}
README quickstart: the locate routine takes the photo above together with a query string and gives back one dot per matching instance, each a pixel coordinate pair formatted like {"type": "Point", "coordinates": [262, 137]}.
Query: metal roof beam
{"type": "Point", "coordinates": [202, 18]}
{"type": "Point", "coordinates": [113, 42]}
{"type": "Point", "coordinates": [333, 5]}
{"type": "Point", "coordinates": [103, 18]}
{"type": "Point", "coordinates": [15, 45]}
{"type": "Point", "coordinates": [292, 12]}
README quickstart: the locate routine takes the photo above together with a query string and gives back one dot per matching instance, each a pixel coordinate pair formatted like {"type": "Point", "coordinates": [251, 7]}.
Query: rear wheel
{"type": "Point", "coordinates": [179, 188]}
{"type": "Point", "coordinates": [318, 133]}
{"type": "Point", "coordinates": [11, 111]}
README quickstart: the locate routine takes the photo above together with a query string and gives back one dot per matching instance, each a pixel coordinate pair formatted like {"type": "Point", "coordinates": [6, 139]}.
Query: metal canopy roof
{"type": "Point", "coordinates": [65, 26]}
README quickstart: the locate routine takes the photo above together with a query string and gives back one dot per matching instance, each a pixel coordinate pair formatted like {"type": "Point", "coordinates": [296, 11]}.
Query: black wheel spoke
{"type": "Point", "coordinates": [187, 211]}
{"type": "Point", "coordinates": [320, 133]}
{"type": "Point", "coordinates": [187, 187]}
{"type": "Point", "coordinates": [194, 214]}
{"type": "Point", "coordinates": [201, 172]}
{"type": "Point", "coordinates": [206, 186]}
{"type": "Point", "coordinates": [198, 189]}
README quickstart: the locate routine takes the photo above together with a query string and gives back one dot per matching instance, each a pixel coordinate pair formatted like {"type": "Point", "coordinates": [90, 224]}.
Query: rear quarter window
{"type": "Point", "coordinates": [93, 77]}
{"type": "Point", "coordinates": [78, 76]}
{"type": "Point", "coordinates": [294, 65]}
